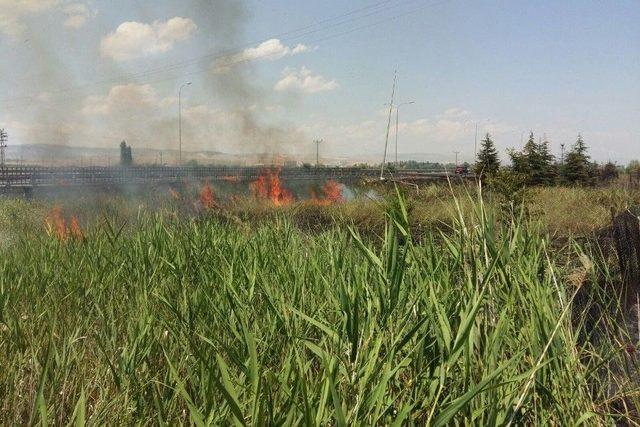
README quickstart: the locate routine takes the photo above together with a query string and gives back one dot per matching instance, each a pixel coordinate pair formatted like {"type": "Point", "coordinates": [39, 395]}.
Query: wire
{"type": "Point", "coordinates": [373, 10]}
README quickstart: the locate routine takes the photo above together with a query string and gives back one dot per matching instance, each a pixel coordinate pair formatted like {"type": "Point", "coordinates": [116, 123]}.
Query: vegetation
{"type": "Point", "coordinates": [535, 162]}
{"type": "Point", "coordinates": [578, 170]}
{"type": "Point", "coordinates": [488, 162]}
{"type": "Point", "coordinates": [200, 319]}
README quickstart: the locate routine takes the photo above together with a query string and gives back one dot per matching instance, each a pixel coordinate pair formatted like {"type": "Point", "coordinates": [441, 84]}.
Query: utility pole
{"type": "Point", "coordinates": [475, 143]}
{"type": "Point", "coordinates": [318, 142]}
{"type": "Point", "coordinates": [397, 124]}
{"type": "Point", "coordinates": [4, 137]}
{"type": "Point", "coordinates": [386, 141]}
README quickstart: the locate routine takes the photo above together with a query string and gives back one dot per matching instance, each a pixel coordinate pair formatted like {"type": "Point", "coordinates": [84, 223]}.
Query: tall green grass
{"type": "Point", "coordinates": [199, 321]}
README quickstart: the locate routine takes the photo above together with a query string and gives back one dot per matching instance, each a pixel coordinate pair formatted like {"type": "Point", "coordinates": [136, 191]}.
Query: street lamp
{"type": "Point", "coordinates": [397, 120]}
{"type": "Point", "coordinates": [180, 122]}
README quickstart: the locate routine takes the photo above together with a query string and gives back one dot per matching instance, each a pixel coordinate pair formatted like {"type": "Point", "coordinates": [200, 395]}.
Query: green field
{"type": "Point", "coordinates": [434, 308]}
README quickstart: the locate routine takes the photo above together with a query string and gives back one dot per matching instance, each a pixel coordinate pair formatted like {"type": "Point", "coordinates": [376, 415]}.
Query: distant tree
{"type": "Point", "coordinates": [609, 172]}
{"type": "Point", "coordinates": [548, 172]}
{"type": "Point", "coordinates": [488, 162]}
{"type": "Point", "coordinates": [535, 162]}
{"type": "Point", "coordinates": [633, 169]}
{"type": "Point", "coordinates": [578, 168]}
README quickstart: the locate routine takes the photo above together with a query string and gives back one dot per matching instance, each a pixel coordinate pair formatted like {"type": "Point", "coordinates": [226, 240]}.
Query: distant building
{"type": "Point", "coordinates": [126, 159]}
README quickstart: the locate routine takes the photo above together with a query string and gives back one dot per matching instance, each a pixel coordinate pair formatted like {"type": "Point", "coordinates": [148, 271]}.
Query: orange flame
{"type": "Point", "coordinates": [331, 193]}
{"type": "Point", "coordinates": [75, 230]}
{"type": "Point", "coordinates": [207, 198]}
{"type": "Point", "coordinates": [269, 187]}
{"type": "Point", "coordinates": [57, 226]}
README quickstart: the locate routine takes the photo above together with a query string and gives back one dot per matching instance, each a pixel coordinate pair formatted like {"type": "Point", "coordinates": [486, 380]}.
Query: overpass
{"type": "Point", "coordinates": [15, 178]}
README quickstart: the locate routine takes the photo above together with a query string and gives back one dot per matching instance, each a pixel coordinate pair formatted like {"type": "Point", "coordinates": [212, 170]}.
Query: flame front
{"type": "Point", "coordinates": [207, 198]}
{"type": "Point", "coordinates": [269, 187]}
{"type": "Point", "coordinates": [75, 230]}
{"type": "Point", "coordinates": [57, 226]}
{"type": "Point", "coordinates": [331, 193]}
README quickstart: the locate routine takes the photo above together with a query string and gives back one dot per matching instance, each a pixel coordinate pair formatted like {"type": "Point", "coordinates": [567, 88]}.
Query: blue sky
{"type": "Point", "coordinates": [73, 72]}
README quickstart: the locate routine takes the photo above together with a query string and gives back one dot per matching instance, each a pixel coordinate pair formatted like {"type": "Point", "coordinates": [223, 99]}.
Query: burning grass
{"type": "Point", "coordinates": [196, 321]}
{"type": "Point", "coordinates": [57, 226]}
{"type": "Point", "coordinates": [268, 187]}
{"type": "Point", "coordinates": [207, 198]}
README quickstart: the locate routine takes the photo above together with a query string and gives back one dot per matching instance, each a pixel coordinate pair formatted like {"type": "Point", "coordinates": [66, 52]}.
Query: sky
{"type": "Point", "coordinates": [273, 76]}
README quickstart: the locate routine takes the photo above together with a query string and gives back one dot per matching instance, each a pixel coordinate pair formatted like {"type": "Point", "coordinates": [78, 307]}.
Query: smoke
{"type": "Point", "coordinates": [99, 103]}
{"type": "Point", "coordinates": [226, 21]}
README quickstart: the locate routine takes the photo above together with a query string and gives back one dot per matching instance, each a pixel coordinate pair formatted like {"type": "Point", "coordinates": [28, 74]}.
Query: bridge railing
{"type": "Point", "coordinates": [33, 176]}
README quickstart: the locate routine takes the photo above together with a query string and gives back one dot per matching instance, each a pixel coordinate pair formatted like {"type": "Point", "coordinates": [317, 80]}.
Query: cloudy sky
{"type": "Point", "coordinates": [274, 75]}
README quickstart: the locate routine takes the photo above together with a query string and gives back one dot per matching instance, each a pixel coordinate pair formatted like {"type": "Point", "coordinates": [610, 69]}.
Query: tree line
{"type": "Point", "coordinates": [535, 164]}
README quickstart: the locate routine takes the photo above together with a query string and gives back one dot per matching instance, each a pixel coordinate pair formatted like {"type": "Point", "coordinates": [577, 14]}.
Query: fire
{"type": "Point", "coordinates": [57, 226]}
{"type": "Point", "coordinates": [269, 187]}
{"type": "Point", "coordinates": [331, 193]}
{"type": "Point", "coordinates": [174, 194]}
{"type": "Point", "coordinates": [207, 198]}
{"type": "Point", "coordinates": [75, 230]}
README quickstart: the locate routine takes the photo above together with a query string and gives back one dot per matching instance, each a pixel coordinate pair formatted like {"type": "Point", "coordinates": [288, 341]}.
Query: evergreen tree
{"type": "Point", "coordinates": [548, 171]}
{"type": "Point", "coordinates": [488, 162]}
{"type": "Point", "coordinates": [534, 162]}
{"type": "Point", "coordinates": [578, 169]}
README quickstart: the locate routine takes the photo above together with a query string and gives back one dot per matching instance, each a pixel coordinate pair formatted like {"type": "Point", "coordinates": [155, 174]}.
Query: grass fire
{"type": "Point", "coordinates": [370, 213]}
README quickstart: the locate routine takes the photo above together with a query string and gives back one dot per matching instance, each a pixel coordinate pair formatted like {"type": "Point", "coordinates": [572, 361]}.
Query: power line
{"type": "Point", "coordinates": [233, 52]}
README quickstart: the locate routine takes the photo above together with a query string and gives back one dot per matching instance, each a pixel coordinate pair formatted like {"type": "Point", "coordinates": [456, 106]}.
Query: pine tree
{"type": "Point", "coordinates": [534, 162]}
{"type": "Point", "coordinates": [578, 169]}
{"type": "Point", "coordinates": [488, 162]}
{"type": "Point", "coordinates": [548, 172]}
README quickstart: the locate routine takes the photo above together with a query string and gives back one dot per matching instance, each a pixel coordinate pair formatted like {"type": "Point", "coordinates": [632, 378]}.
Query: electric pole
{"type": "Point", "coordinates": [562, 155]}
{"type": "Point", "coordinates": [4, 137]}
{"type": "Point", "coordinates": [318, 142]}
{"type": "Point", "coordinates": [386, 141]}
{"type": "Point", "coordinates": [475, 143]}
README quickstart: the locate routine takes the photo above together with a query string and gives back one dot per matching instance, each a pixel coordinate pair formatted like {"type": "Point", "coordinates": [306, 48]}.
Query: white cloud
{"type": "Point", "coordinates": [135, 39]}
{"type": "Point", "coordinates": [270, 50]}
{"type": "Point", "coordinates": [77, 15]}
{"type": "Point", "coordinates": [304, 81]}
{"type": "Point", "coordinates": [13, 11]}
{"type": "Point", "coordinates": [125, 99]}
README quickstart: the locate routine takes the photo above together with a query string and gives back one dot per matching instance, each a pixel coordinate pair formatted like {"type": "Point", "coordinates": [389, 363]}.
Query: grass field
{"type": "Point", "coordinates": [427, 309]}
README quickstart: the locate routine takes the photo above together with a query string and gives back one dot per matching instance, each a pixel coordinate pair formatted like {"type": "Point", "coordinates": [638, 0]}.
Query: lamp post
{"type": "Point", "coordinates": [180, 122]}
{"type": "Point", "coordinates": [397, 121]}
